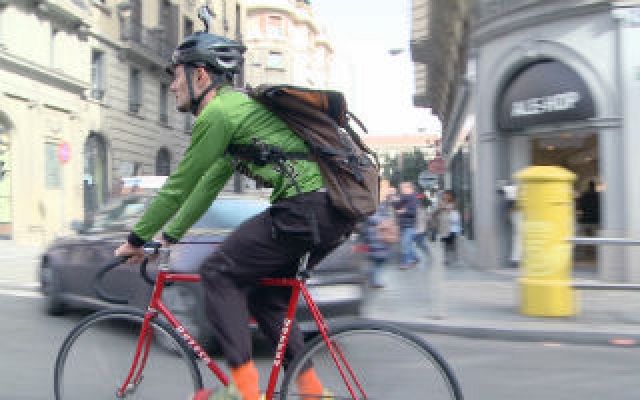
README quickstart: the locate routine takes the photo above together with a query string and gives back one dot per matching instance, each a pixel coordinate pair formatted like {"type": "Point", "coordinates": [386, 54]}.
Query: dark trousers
{"type": "Point", "coordinates": [450, 248]}
{"type": "Point", "coordinates": [267, 245]}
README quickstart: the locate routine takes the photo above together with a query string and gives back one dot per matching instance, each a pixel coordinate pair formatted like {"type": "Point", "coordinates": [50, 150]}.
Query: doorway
{"type": "Point", "coordinates": [6, 223]}
{"type": "Point", "coordinates": [577, 152]}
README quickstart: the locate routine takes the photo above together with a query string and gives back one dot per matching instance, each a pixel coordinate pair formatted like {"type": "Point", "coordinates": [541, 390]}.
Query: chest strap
{"type": "Point", "coordinates": [262, 154]}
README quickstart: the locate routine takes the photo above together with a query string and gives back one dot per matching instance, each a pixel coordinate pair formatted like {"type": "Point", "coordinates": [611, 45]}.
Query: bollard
{"type": "Point", "coordinates": [546, 200]}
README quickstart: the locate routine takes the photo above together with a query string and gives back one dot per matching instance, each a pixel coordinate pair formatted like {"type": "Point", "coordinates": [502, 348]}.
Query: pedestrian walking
{"type": "Point", "coordinates": [422, 225]}
{"type": "Point", "coordinates": [380, 233]}
{"type": "Point", "coordinates": [406, 210]}
{"type": "Point", "coordinates": [510, 194]}
{"type": "Point", "coordinates": [449, 226]}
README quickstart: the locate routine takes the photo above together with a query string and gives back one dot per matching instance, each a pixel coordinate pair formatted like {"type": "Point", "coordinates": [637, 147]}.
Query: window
{"type": "Point", "coordinates": [2, 25]}
{"type": "Point", "coordinates": [53, 43]}
{"type": "Point", "coordinates": [188, 123]}
{"type": "Point", "coordinates": [53, 178]}
{"type": "Point", "coordinates": [163, 162]}
{"type": "Point", "coordinates": [97, 74]}
{"type": "Point", "coordinates": [188, 27]}
{"type": "Point", "coordinates": [274, 60]}
{"type": "Point", "coordinates": [274, 26]}
{"type": "Point", "coordinates": [134, 90]}
{"type": "Point", "coordinates": [95, 185]}
{"type": "Point", "coordinates": [164, 103]}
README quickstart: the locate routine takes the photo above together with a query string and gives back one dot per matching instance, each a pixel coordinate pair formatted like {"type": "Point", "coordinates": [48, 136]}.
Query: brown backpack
{"type": "Point", "coordinates": [320, 117]}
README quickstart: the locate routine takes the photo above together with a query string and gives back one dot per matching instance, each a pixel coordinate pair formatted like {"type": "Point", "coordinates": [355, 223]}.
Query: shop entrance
{"type": "Point", "coordinates": [579, 154]}
{"type": "Point", "coordinates": [6, 223]}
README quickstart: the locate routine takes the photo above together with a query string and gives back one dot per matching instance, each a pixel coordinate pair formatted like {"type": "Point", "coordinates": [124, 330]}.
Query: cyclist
{"type": "Point", "coordinates": [270, 244]}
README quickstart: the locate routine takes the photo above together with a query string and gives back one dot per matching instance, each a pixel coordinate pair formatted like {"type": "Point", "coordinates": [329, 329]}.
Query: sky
{"type": "Point", "coordinates": [379, 86]}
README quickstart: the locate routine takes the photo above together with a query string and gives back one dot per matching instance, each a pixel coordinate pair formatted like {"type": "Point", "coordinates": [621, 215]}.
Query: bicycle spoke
{"type": "Point", "coordinates": [381, 363]}
{"type": "Point", "coordinates": [97, 358]}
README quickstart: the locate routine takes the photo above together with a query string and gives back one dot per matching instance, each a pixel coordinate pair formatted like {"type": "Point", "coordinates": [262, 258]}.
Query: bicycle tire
{"type": "Point", "coordinates": [389, 363]}
{"type": "Point", "coordinates": [96, 356]}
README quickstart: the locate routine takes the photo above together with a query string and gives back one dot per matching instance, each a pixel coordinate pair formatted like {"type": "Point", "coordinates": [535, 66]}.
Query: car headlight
{"type": "Point", "coordinates": [340, 292]}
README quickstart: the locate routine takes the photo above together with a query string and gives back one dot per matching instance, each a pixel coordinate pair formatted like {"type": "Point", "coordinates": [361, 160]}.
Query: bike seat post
{"type": "Point", "coordinates": [303, 272]}
{"type": "Point", "coordinates": [163, 258]}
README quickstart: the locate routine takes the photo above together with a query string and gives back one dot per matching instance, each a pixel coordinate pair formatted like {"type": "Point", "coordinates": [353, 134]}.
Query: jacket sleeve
{"type": "Point", "coordinates": [211, 136]}
{"type": "Point", "coordinates": [200, 198]}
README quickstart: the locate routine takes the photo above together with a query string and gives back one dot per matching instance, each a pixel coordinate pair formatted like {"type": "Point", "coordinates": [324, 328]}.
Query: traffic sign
{"type": "Point", "coordinates": [64, 152]}
{"type": "Point", "coordinates": [427, 180]}
{"type": "Point", "coordinates": [437, 166]}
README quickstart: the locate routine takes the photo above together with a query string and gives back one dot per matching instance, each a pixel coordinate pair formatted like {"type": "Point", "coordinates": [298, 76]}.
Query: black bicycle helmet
{"type": "Point", "coordinates": [202, 49]}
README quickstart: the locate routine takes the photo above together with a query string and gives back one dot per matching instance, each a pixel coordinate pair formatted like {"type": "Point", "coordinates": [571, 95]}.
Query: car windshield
{"type": "Point", "coordinates": [224, 213]}
{"type": "Point", "coordinates": [228, 213]}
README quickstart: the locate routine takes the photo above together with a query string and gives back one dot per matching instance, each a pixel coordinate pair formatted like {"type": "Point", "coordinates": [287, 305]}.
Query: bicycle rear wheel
{"type": "Point", "coordinates": [96, 357]}
{"type": "Point", "coordinates": [387, 363]}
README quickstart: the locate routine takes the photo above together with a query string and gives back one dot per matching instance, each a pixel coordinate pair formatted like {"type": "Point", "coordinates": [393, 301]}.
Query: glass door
{"type": "Point", "coordinates": [579, 154]}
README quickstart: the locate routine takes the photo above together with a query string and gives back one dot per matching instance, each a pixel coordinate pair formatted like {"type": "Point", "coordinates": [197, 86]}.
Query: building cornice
{"type": "Point", "coordinates": [536, 13]}
{"type": "Point", "coordinates": [297, 15]}
{"type": "Point", "coordinates": [45, 75]}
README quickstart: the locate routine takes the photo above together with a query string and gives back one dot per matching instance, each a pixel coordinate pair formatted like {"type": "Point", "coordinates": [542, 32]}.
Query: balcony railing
{"type": "Point", "coordinates": [150, 42]}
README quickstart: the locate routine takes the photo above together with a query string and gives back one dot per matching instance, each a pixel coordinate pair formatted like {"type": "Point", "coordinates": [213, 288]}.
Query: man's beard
{"type": "Point", "coordinates": [185, 107]}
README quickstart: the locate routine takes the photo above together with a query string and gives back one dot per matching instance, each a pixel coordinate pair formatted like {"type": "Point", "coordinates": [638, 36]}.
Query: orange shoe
{"type": "Point", "coordinates": [227, 393]}
{"type": "Point", "coordinates": [309, 385]}
{"type": "Point", "coordinates": [246, 380]}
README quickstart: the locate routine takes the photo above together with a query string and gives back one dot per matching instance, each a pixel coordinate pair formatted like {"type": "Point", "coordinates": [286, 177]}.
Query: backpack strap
{"type": "Point", "coordinates": [262, 154]}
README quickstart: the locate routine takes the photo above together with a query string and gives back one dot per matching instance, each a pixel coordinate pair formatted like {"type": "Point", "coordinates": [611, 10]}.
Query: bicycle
{"type": "Point", "coordinates": [360, 360]}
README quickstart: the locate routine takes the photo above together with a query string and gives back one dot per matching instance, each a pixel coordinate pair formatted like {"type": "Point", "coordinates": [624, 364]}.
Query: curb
{"type": "Point", "coordinates": [521, 335]}
{"type": "Point", "coordinates": [27, 286]}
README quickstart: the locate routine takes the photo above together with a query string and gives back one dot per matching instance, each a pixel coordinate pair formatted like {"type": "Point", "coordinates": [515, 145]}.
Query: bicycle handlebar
{"type": "Point", "coordinates": [150, 248]}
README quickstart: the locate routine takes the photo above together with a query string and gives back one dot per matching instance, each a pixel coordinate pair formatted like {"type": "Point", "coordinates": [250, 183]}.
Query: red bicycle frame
{"type": "Point", "coordinates": [297, 286]}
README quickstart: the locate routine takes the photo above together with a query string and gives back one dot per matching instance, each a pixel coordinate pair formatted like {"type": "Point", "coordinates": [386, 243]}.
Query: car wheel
{"type": "Point", "coordinates": [185, 304]}
{"type": "Point", "coordinates": [51, 288]}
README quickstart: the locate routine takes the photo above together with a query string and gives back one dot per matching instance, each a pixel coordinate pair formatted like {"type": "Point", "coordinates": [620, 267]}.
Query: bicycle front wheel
{"type": "Point", "coordinates": [96, 357]}
{"type": "Point", "coordinates": [382, 362]}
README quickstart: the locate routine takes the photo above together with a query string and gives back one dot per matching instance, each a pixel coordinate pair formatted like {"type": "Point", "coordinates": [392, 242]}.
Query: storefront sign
{"type": "Point", "coordinates": [542, 93]}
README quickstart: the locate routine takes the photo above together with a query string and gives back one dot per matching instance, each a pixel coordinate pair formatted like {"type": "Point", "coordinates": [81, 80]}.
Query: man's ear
{"type": "Point", "coordinates": [202, 75]}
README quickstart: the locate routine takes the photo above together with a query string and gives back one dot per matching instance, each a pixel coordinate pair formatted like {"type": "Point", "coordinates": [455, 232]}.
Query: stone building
{"type": "Point", "coordinates": [544, 82]}
{"type": "Point", "coordinates": [84, 101]}
{"type": "Point", "coordinates": [286, 44]}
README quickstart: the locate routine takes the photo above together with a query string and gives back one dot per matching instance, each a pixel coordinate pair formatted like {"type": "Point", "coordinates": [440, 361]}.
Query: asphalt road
{"type": "Point", "coordinates": [486, 369]}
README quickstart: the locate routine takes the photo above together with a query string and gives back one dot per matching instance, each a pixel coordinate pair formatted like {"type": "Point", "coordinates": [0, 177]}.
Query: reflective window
{"type": "Point", "coordinates": [229, 213]}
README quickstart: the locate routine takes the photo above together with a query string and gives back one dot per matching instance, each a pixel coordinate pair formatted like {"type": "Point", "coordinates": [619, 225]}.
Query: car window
{"type": "Point", "coordinates": [229, 213]}
{"type": "Point", "coordinates": [118, 214]}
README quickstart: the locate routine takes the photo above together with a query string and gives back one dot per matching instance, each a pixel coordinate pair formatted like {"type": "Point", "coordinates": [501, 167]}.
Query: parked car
{"type": "Point", "coordinates": [69, 264]}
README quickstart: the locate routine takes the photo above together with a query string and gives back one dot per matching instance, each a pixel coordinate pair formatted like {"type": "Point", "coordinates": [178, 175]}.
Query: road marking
{"type": "Point", "coordinates": [20, 285]}
{"type": "Point", "coordinates": [20, 293]}
{"type": "Point", "coordinates": [623, 342]}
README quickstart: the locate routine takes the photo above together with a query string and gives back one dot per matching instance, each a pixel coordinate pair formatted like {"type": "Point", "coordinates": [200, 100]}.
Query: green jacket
{"type": "Point", "coordinates": [230, 117]}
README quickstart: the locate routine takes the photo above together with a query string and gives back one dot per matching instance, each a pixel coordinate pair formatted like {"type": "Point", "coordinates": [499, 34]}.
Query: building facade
{"type": "Point", "coordinates": [286, 44]}
{"type": "Point", "coordinates": [553, 83]}
{"type": "Point", "coordinates": [84, 101]}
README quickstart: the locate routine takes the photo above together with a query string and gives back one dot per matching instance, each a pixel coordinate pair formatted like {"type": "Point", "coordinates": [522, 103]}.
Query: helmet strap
{"type": "Point", "coordinates": [217, 80]}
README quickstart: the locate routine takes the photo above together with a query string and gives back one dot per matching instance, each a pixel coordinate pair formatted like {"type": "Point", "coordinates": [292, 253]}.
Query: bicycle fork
{"type": "Point", "coordinates": [140, 359]}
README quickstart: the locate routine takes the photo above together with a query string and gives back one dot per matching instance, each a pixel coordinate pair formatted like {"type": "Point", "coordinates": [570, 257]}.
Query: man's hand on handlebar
{"type": "Point", "coordinates": [136, 254]}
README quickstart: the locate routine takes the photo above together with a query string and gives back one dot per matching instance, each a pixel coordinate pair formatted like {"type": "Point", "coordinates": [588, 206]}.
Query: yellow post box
{"type": "Point", "coordinates": [546, 200]}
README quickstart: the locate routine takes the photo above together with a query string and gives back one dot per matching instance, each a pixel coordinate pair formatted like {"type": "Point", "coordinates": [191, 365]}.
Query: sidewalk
{"type": "Point", "coordinates": [485, 304]}
{"type": "Point", "coordinates": [19, 264]}
{"type": "Point", "coordinates": [467, 302]}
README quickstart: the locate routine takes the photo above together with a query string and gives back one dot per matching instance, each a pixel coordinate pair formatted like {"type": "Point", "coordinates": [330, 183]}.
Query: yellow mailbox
{"type": "Point", "coordinates": [546, 200]}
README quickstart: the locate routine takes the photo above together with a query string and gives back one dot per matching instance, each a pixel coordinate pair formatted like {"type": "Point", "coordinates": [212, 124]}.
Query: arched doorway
{"type": "Point", "coordinates": [163, 162]}
{"type": "Point", "coordinates": [6, 220]}
{"type": "Point", "coordinates": [545, 111]}
{"type": "Point", "coordinates": [95, 173]}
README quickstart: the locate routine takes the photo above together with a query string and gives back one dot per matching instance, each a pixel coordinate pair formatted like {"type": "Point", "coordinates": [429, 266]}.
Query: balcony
{"type": "Point", "coordinates": [145, 43]}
